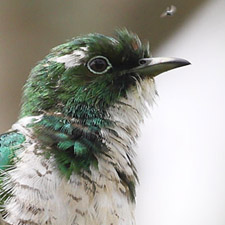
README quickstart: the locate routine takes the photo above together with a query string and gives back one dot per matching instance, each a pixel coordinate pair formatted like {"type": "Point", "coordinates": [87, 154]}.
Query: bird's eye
{"type": "Point", "coordinates": [99, 65]}
{"type": "Point", "coordinates": [142, 61]}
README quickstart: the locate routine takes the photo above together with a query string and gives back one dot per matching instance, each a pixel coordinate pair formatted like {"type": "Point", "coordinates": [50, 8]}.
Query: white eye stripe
{"type": "Point", "coordinates": [72, 60]}
{"type": "Point", "coordinates": [108, 65]}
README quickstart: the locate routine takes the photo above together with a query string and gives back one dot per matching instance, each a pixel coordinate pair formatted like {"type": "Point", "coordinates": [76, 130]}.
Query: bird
{"type": "Point", "coordinates": [70, 157]}
{"type": "Point", "coordinates": [170, 11]}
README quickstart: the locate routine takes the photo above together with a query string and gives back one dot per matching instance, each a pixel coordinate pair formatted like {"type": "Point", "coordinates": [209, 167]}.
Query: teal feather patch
{"type": "Point", "coordinates": [9, 143]}
{"type": "Point", "coordinates": [79, 148]}
{"type": "Point", "coordinates": [63, 145]}
{"type": "Point", "coordinates": [74, 145]}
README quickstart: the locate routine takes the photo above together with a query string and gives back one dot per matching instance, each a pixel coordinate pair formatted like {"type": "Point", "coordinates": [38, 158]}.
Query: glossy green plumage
{"type": "Point", "coordinates": [9, 143]}
{"type": "Point", "coordinates": [74, 145]}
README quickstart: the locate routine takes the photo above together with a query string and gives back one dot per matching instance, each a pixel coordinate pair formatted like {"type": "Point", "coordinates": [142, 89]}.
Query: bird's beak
{"type": "Point", "coordinates": [154, 66]}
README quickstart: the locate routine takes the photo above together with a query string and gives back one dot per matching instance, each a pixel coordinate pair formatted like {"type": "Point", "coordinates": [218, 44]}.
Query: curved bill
{"type": "Point", "coordinates": [157, 65]}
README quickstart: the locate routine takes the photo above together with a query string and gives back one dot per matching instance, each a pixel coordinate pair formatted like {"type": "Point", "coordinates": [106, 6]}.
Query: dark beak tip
{"type": "Point", "coordinates": [187, 63]}
{"type": "Point", "coordinates": [183, 62]}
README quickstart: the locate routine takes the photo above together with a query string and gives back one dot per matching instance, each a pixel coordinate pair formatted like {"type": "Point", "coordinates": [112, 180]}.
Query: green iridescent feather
{"type": "Point", "coordinates": [74, 146]}
{"type": "Point", "coordinates": [9, 144]}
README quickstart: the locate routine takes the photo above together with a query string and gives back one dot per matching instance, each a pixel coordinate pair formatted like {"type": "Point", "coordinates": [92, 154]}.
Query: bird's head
{"type": "Point", "coordinates": [92, 71]}
{"type": "Point", "coordinates": [91, 93]}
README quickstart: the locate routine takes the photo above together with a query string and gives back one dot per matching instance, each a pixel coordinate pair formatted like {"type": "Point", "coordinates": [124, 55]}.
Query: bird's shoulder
{"type": "Point", "coordinates": [10, 142]}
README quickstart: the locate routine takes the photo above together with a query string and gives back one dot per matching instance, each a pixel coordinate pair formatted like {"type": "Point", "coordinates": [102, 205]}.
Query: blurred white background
{"type": "Point", "coordinates": [181, 154]}
{"type": "Point", "coordinates": [182, 149]}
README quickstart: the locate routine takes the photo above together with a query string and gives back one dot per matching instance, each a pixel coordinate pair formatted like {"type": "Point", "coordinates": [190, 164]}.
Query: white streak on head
{"type": "Point", "coordinates": [73, 59]}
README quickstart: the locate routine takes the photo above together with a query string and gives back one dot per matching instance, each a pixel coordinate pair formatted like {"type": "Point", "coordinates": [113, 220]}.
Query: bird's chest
{"type": "Point", "coordinates": [41, 195]}
{"type": "Point", "coordinates": [102, 196]}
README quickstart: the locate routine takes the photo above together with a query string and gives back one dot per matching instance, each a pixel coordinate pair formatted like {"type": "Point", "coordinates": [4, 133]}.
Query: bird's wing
{"type": "Point", "coordinates": [173, 8]}
{"type": "Point", "coordinates": [163, 14]}
{"type": "Point", "coordinates": [9, 143]}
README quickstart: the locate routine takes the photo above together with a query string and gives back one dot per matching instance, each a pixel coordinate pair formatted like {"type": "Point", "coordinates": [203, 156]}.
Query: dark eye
{"type": "Point", "coordinates": [99, 65]}
{"type": "Point", "coordinates": [142, 61]}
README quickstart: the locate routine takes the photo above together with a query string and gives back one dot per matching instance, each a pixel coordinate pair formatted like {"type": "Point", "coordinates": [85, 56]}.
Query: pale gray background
{"type": "Point", "coordinates": [181, 155]}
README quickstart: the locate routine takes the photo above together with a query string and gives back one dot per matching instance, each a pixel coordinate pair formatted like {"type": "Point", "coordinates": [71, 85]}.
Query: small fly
{"type": "Point", "coordinates": [170, 11]}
